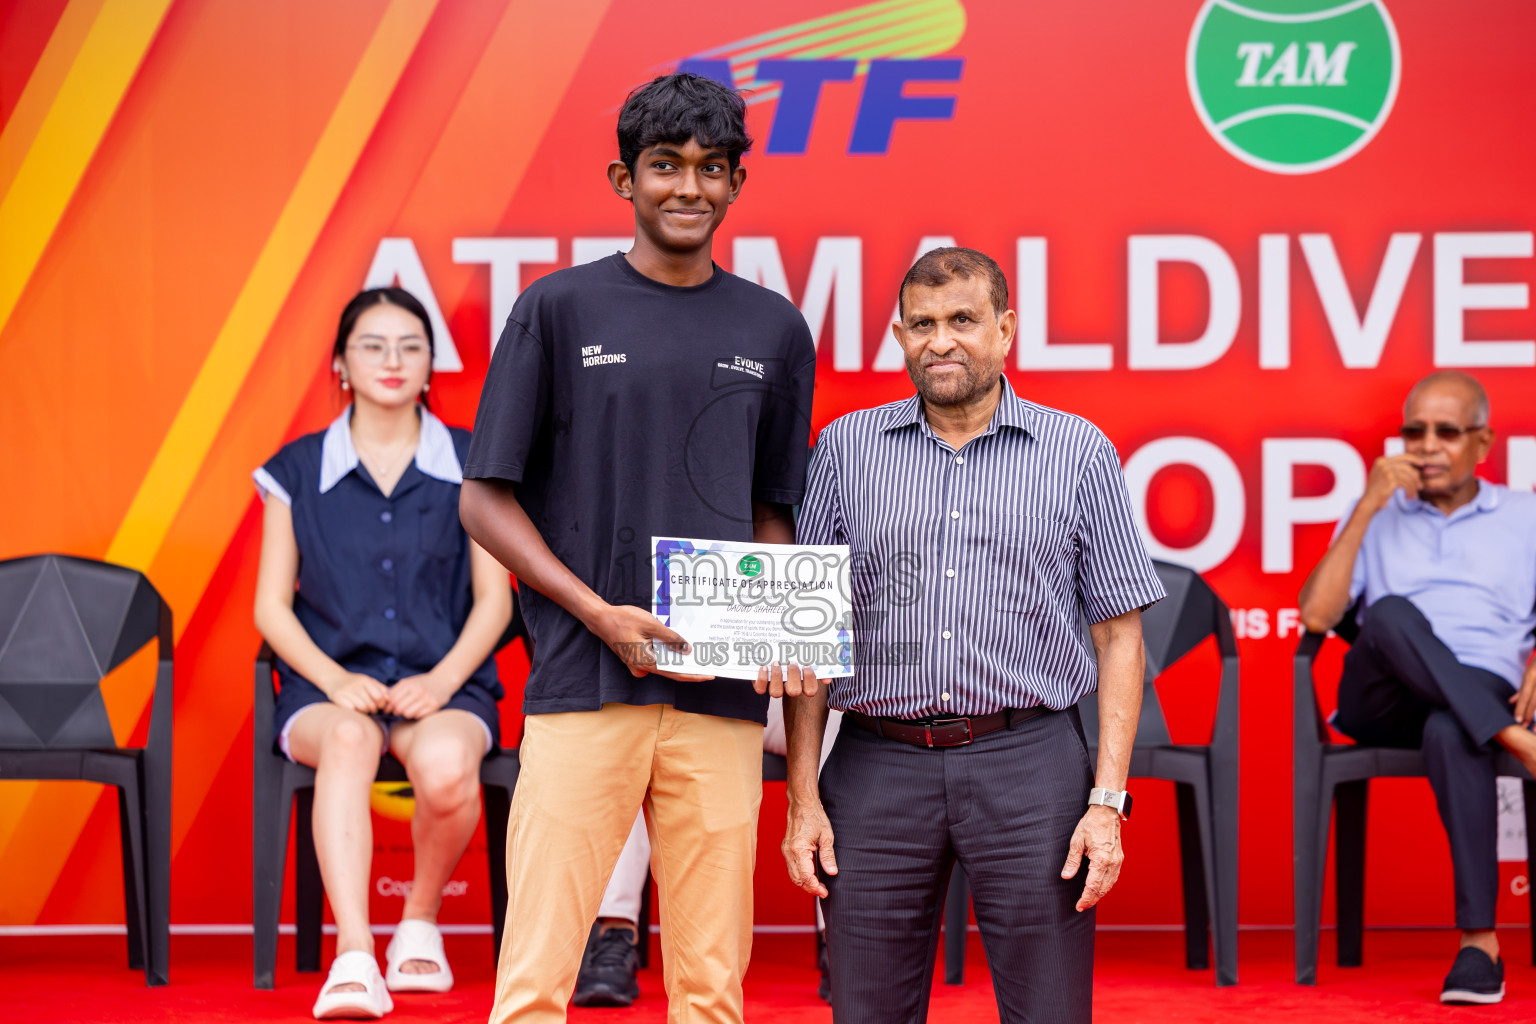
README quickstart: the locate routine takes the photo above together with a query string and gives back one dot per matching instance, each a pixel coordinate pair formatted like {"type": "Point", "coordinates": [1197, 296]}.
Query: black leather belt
{"type": "Point", "coordinates": [944, 732]}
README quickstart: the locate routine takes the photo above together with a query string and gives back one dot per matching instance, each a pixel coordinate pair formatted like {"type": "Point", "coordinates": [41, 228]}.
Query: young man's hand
{"type": "Point", "coordinates": [628, 632]}
{"type": "Point", "coordinates": [1390, 473]}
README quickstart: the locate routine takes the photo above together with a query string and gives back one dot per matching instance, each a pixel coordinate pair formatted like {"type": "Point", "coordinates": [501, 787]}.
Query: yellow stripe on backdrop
{"type": "Point", "coordinates": [43, 85]}
{"type": "Point", "coordinates": [68, 135]}
{"type": "Point", "coordinates": [202, 412]}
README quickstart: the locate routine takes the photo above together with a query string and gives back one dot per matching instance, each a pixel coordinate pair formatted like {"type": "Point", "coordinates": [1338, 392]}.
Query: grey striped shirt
{"type": "Point", "coordinates": [972, 570]}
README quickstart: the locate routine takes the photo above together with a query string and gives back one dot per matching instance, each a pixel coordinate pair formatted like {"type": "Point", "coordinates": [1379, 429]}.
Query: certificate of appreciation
{"type": "Point", "coordinates": [744, 605]}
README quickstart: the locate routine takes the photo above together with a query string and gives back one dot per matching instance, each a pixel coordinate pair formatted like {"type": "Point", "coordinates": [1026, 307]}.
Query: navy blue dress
{"type": "Point", "coordinates": [384, 582]}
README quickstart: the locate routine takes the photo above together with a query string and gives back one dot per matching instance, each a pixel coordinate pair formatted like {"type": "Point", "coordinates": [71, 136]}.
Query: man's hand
{"type": "Point", "coordinates": [786, 681]}
{"type": "Point", "coordinates": [1525, 699]}
{"type": "Point", "coordinates": [1097, 837]}
{"type": "Point", "coordinates": [1391, 473]}
{"type": "Point", "coordinates": [628, 632]}
{"type": "Point", "coordinates": [418, 696]}
{"type": "Point", "coordinates": [360, 693]}
{"type": "Point", "coordinates": [808, 832]}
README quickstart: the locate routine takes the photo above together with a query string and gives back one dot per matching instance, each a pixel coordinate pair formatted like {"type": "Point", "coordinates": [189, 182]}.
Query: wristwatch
{"type": "Point", "coordinates": [1120, 800]}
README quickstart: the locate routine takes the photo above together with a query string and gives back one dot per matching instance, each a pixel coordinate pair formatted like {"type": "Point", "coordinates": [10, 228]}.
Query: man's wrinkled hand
{"type": "Point", "coordinates": [1524, 699]}
{"type": "Point", "coordinates": [1391, 473]}
{"type": "Point", "coordinates": [1097, 837]}
{"type": "Point", "coordinates": [808, 834]}
{"type": "Point", "coordinates": [786, 681]}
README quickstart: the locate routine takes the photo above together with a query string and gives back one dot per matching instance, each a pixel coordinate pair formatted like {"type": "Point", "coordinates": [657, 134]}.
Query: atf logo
{"type": "Point", "coordinates": [1293, 86]}
{"type": "Point", "coordinates": [885, 44]}
{"type": "Point", "coordinates": [750, 565]}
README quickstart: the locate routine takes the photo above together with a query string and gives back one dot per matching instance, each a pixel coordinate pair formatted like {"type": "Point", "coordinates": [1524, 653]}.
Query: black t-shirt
{"type": "Point", "coordinates": [624, 408]}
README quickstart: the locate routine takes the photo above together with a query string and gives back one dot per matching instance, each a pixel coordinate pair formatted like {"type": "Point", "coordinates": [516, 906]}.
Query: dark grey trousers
{"type": "Point", "coordinates": [1402, 687]}
{"type": "Point", "coordinates": [1005, 807]}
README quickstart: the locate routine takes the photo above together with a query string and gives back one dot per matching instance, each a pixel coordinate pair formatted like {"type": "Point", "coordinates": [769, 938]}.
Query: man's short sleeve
{"type": "Point", "coordinates": [821, 514]}
{"type": "Point", "coordinates": [1357, 575]}
{"type": "Point", "coordinates": [1114, 573]}
{"type": "Point", "coordinates": [783, 440]}
{"type": "Point", "coordinates": [513, 407]}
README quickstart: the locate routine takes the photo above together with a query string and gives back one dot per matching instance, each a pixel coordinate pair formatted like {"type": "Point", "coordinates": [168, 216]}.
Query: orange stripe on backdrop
{"type": "Point", "coordinates": [287, 245]}
{"type": "Point", "coordinates": [68, 135]}
{"type": "Point", "coordinates": [43, 83]}
{"type": "Point", "coordinates": [501, 116]}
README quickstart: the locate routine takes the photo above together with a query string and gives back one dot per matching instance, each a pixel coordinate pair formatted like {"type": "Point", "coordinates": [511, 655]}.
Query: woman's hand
{"type": "Point", "coordinates": [360, 693]}
{"type": "Point", "coordinates": [418, 696]}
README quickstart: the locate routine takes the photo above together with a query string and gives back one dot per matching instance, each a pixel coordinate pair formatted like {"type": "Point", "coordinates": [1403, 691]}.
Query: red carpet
{"type": "Point", "coordinates": [1140, 980]}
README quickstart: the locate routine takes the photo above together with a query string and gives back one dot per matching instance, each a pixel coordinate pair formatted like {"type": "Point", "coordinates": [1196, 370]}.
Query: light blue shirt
{"type": "Point", "coordinates": [1472, 573]}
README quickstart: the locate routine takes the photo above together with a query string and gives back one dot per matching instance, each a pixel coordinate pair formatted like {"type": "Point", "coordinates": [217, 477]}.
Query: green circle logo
{"type": "Point", "coordinates": [1293, 86]}
{"type": "Point", "coordinates": [750, 565]}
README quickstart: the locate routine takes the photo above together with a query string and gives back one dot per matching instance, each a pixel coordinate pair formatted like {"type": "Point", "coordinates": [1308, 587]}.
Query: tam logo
{"type": "Point", "coordinates": [882, 104]}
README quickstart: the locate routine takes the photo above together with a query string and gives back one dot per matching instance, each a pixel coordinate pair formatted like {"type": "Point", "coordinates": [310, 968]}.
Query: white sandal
{"type": "Point", "coordinates": [416, 939]}
{"type": "Point", "coordinates": [359, 968]}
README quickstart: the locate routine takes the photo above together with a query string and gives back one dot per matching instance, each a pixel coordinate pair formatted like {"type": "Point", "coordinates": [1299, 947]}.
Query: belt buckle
{"type": "Point", "coordinates": [969, 736]}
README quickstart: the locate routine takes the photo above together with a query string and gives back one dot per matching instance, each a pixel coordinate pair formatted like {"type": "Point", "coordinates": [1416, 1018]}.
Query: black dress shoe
{"type": "Point", "coordinates": [608, 966]}
{"type": "Point", "coordinates": [1475, 978]}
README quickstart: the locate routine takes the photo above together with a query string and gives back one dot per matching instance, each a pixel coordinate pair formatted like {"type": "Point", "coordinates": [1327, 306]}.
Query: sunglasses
{"type": "Point", "coordinates": [1448, 432]}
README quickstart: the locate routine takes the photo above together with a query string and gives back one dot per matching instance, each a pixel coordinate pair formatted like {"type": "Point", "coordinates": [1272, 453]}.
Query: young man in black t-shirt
{"type": "Point", "coordinates": [650, 393]}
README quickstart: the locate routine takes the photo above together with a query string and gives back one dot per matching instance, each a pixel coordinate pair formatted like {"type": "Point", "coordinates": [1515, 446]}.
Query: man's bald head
{"type": "Point", "coordinates": [1454, 381]}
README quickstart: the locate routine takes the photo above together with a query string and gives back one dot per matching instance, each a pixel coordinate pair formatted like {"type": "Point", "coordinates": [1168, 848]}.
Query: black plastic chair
{"type": "Point", "coordinates": [64, 624]}
{"type": "Point", "coordinates": [1333, 779]}
{"type": "Point", "coordinates": [1205, 777]}
{"type": "Point", "coordinates": [280, 784]}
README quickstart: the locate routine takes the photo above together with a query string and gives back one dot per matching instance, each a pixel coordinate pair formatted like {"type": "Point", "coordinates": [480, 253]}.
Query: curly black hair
{"type": "Point", "coordinates": [681, 106]}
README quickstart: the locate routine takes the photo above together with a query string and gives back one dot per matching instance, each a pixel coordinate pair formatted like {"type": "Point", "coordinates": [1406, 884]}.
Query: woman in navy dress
{"type": "Point", "coordinates": [384, 615]}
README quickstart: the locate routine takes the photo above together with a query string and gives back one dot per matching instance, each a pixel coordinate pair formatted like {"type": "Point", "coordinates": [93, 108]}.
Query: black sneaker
{"type": "Point", "coordinates": [1475, 978]}
{"type": "Point", "coordinates": [824, 990]}
{"type": "Point", "coordinates": [608, 967]}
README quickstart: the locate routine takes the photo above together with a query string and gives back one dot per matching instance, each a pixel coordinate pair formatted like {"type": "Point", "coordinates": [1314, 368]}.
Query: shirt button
{"type": "Point", "coordinates": [950, 573]}
{"type": "Point", "coordinates": [954, 514]}
{"type": "Point", "coordinates": [389, 613]}
{"type": "Point", "coordinates": [959, 460]}
{"type": "Point", "coordinates": [389, 563]}
{"type": "Point", "coordinates": [946, 634]}
{"type": "Point", "coordinates": [389, 663]}
{"type": "Point", "coordinates": [944, 696]}
{"type": "Point", "coordinates": [386, 516]}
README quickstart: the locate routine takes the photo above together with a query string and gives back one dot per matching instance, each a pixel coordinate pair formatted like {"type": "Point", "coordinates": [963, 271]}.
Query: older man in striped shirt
{"type": "Point", "coordinates": [984, 529]}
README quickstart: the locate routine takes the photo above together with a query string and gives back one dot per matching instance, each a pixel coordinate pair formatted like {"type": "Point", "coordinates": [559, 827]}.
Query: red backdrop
{"type": "Point", "coordinates": [192, 189]}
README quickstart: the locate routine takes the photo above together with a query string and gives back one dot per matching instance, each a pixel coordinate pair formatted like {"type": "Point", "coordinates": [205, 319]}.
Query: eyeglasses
{"type": "Point", "coordinates": [1447, 432]}
{"type": "Point", "coordinates": [374, 352]}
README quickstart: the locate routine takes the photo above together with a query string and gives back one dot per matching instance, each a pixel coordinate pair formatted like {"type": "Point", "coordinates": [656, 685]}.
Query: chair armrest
{"type": "Point", "coordinates": [1228, 699]}
{"type": "Point", "coordinates": [264, 697]}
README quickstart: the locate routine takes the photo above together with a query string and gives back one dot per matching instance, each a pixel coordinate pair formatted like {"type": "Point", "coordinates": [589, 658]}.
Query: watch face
{"type": "Point", "coordinates": [1125, 805]}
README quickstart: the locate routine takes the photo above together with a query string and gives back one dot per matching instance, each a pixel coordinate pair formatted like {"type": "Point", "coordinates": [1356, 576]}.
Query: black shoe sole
{"type": "Point", "coordinates": [602, 995]}
{"type": "Point", "coordinates": [1466, 997]}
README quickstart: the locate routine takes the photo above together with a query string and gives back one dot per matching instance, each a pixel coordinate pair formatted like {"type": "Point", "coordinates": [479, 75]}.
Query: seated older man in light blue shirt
{"type": "Point", "coordinates": [1446, 566]}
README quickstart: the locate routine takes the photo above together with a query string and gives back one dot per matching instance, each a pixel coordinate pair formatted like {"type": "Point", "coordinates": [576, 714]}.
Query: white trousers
{"type": "Point", "coordinates": [622, 898]}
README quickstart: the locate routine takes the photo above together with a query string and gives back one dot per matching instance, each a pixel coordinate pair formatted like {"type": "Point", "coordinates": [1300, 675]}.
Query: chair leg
{"type": "Point", "coordinates": [643, 926]}
{"type": "Point", "coordinates": [1225, 865]}
{"type": "Point", "coordinates": [1197, 919]}
{"type": "Point", "coordinates": [132, 885]}
{"type": "Point", "coordinates": [308, 889]}
{"type": "Point", "coordinates": [498, 806]}
{"type": "Point", "coordinates": [957, 907]}
{"type": "Point", "coordinates": [155, 805]}
{"type": "Point", "coordinates": [1528, 790]}
{"type": "Point", "coordinates": [271, 805]}
{"type": "Point", "coordinates": [1349, 870]}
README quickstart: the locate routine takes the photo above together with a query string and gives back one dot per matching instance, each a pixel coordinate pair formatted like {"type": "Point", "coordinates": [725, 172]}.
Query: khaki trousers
{"type": "Point", "coordinates": [584, 774]}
